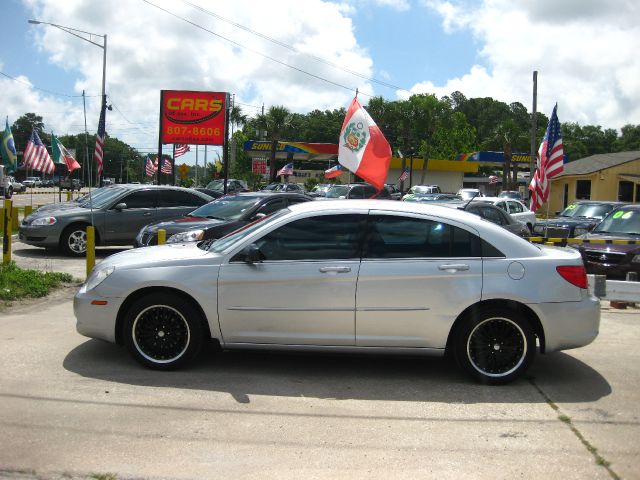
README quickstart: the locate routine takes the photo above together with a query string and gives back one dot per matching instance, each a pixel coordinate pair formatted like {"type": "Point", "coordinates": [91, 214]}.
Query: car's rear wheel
{"type": "Point", "coordinates": [495, 346]}
{"type": "Point", "coordinates": [163, 331]}
{"type": "Point", "coordinates": [73, 240]}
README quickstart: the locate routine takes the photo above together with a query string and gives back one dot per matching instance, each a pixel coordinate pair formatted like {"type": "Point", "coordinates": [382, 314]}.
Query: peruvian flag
{"type": "Point", "coordinates": [362, 147]}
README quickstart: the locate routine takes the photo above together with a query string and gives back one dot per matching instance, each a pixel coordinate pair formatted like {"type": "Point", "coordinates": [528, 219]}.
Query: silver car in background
{"type": "Point", "coordinates": [117, 212]}
{"type": "Point", "coordinates": [366, 276]}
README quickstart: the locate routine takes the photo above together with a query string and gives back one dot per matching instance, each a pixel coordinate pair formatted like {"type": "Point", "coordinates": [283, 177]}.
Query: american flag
{"type": "Point", "coordinates": [36, 156]}
{"type": "Point", "coordinates": [97, 155]}
{"type": "Point", "coordinates": [404, 175]}
{"type": "Point", "coordinates": [181, 150]}
{"type": "Point", "coordinates": [151, 167]}
{"type": "Point", "coordinates": [286, 170]}
{"type": "Point", "coordinates": [166, 167]}
{"type": "Point", "coordinates": [550, 162]}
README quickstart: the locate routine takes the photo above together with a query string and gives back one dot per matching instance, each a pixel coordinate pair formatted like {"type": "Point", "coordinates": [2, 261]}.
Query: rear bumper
{"type": "Point", "coordinates": [569, 324]}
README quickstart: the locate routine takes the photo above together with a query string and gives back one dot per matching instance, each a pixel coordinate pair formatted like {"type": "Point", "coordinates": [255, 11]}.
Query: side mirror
{"type": "Point", "coordinates": [252, 254]}
{"type": "Point", "coordinates": [558, 212]}
{"type": "Point", "coordinates": [120, 206]}
{"type": "Point", "coordinates": [259, 215]}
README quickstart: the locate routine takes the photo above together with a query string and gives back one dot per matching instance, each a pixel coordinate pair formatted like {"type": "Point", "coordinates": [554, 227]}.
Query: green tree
{"type": "Point", "coordinates": [629, 140]}
{"type": "Point", "coordinates": [275, 122]}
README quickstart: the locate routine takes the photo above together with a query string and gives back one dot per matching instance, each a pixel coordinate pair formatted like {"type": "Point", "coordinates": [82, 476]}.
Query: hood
{"type": "Point", "coordinates": [162, 255]}
{"type": "Point", "coordinates": [609, 247]}
{"type": "Point", "coordinates": [184, 224]}
{"type": "Point", "coordinates": [567, 221]}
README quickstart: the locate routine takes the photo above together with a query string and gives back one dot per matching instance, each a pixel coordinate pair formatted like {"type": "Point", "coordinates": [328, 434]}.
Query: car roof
{"type": "Point", "coordinates": [600, 202]}
{"type": "Point", "coordinates": [270, 194]}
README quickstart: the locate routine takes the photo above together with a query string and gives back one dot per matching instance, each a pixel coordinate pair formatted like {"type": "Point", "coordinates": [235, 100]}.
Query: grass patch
{"type": "Point", "coordinates": [16, 283]}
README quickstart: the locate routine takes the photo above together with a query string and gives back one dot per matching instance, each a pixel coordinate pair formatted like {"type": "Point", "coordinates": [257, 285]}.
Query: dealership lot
{"type": "Point", "coordinates": [70, 404]}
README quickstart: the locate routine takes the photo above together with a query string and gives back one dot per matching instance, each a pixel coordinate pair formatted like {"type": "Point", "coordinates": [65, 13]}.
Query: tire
{"type": "Point", "coordinates": [73, 240]}
{"type": "Point", "coordinates": [495, 346]}
{"type": "Point", "coordinates": [9, 194]}
{"type": "Point", "coordinates": [163, 331]}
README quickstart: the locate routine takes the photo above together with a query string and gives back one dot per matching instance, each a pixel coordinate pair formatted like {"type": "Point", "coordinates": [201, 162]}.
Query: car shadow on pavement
{"type": "Point", "coordinates": [360, 377]}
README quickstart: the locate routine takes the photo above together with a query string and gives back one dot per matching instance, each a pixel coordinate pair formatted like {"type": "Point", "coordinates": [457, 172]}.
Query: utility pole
{"type": "Point", "coordinates": [532, 160]}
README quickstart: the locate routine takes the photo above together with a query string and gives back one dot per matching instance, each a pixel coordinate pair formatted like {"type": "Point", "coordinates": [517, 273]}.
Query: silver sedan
{"type": "Point", "coordinates": [349, 276]}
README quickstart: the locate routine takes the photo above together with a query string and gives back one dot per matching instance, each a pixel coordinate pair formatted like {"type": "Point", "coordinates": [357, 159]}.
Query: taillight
{"type": "Point", "coordinates": [575, 275]}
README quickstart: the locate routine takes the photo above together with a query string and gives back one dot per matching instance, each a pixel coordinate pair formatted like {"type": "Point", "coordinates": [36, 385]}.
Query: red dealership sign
{"type": "Point", "coordinates": [192, 118]}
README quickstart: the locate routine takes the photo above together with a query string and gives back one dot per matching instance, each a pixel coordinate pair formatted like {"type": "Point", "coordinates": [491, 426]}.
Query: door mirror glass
{"type": "Point", "coordinates": [120, 206]}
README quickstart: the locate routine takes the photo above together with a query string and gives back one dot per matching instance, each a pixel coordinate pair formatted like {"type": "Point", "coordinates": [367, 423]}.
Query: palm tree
{"type": "Point", "coordinates": [509, 133]}
{"type": "Point", "coordinates": [236, 117]}
{"type": "Point", "coordinates": [274, 122]}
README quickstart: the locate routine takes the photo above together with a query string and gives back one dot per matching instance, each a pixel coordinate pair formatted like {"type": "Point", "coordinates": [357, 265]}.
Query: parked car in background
{"type": "Point", "coordinates": [219, 217]}
{"type": "Point", "coordinates": [513, 194]}
{"type": "Point", "coordinates": [469, 193]}
{"type": "Point", "coordinates": [118, 215]}
{"type": "Point", "coordinates": [612, 259]}
{"type": "Point", "coordinates": [355, 190]}
{"type": "Point", "coordinates": [283, 187]}
{"type": "Point", "coordinates": [431, 197]}
{"type": "Point", "coordinates": [422, 189]}
{"type": "Point", "coordinates": [518, 210]}
{"type": "Point", "coordinates": [32, 182]}
{"type": "Point", "coordinates": [71, 184]}
{"type": "Point", "coordinates": [492, 214]}
{"type": "Point", "coordinates": [48, 182]}
{"type": "Point", "coordinates": [575, 220]}
{"type": "Point", "coordinates": [9, 185]}
{"type": "Point", "coordinates": [394, 192]}
{"type": "Point", "coordinates": [233, 185]}
{"type": "Point", "coordinates": [347, 276]}
{"type": "Point", "coordinates": [320, 190]}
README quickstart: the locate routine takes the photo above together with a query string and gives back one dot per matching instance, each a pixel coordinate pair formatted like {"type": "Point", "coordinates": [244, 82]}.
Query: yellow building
{"type": "Point", "coordinates": [607, 176]}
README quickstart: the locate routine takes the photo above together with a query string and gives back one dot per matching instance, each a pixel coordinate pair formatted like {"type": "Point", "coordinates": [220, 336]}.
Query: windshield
{"type": "Point", "coordinates": [620, 221]}
{"type": "Point", "coordinates": [216, 185]}
{"type": "Point", "coordinates": [228, 208]}
{"type": "Point", "coordinates": [337, 191]}
{"type": "Point", "coordinates": [225, 243]}
{"type": "Point", "coordinates": [589, 210]}
{"type": "Point", "coordinates": [104, 199]}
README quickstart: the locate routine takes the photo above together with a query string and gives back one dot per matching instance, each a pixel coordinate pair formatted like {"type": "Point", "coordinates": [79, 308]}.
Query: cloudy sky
{"type": "Point", "coordinates": [313, 54]}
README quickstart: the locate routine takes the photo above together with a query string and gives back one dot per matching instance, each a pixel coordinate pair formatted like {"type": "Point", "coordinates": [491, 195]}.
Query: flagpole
{"type": "Point", "coordinates": [174, 166]}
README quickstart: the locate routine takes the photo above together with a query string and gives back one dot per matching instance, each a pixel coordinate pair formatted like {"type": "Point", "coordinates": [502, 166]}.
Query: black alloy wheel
{"type": "Point", "coordinates": [163, 331]}
{"type": "Point", "coordinates": [495, 346]}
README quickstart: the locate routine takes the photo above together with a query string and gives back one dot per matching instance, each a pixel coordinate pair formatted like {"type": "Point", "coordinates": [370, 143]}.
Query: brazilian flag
{"type": "Point", "coordinates": [8, 150]}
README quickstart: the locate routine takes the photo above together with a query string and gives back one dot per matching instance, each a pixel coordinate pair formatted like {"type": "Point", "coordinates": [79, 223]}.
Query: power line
{"type": "Point", "coordinates": [293, 49]}
{"type": "Point", "coordinates": [255, 51]}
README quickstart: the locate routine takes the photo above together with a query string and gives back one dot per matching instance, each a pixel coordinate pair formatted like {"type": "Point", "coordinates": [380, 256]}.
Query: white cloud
{"type": "Point", "coordinates": [584, 50]}
{"type": "Point", "coordinates": [150, 50]}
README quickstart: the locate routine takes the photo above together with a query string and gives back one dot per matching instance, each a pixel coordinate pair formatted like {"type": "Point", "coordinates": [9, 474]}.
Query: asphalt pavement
{"type": "Point", "coordinates": [75, 407]}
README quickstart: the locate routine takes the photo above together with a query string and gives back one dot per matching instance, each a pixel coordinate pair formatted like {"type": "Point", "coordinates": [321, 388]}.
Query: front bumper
{"type": "Point", "coordinates": [40, 236]}
{"type": "Point", "coordinates": [96, 321]}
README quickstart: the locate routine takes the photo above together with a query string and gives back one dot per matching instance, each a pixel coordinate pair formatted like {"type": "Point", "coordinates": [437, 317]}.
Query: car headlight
{"type": "Point", "coordinates": [580, 231]}
{"type": "Point", "coordinates": [97, 277]}
{"type": "Point", "coordinates": [190, 236]}
{"type": "Point", "coordinates": [43, 221]}
{"type": "Point", "coordinates": [538, 228]}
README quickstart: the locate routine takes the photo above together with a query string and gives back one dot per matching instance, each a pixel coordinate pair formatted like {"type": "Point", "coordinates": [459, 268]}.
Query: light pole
{"type": "Point", "coordinates": [89, 38]}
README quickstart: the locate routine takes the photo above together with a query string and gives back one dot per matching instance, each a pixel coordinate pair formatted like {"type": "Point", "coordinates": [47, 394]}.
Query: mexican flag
{"type": "Point", "coordinates": [62, 155]}
{"type": "Point", "coordinates": [362, 147]}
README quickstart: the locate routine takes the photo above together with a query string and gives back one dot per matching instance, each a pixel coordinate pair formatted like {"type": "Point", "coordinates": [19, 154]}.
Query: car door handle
{"type": "Point", "coordinates": [146, 214]}
{"type": "Point", "coordinates": [454, 267]}
{"type": "Point", "coordinates": [335, 269]}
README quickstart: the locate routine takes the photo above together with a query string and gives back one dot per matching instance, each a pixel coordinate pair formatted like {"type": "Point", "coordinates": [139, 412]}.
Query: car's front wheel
{"type": "Point", "coordinates": [495, 346]}
{"type": "Point", "coordinates": [73, 240]}
{"type": "Point", "coordinates": [163, 331]}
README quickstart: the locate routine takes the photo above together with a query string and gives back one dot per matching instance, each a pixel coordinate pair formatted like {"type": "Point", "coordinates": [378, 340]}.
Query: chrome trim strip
{"type": "Point", "coordinates": [391, 309]}
{"type": "Point", "coordinates": [287, 309]}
